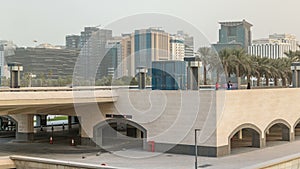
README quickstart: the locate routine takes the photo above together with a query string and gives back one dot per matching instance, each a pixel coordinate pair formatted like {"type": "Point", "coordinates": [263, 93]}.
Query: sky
{"type": "Point", "coordinates": [49, 21]}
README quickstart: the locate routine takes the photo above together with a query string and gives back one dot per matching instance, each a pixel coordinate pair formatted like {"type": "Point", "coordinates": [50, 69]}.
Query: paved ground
{"type": "Point", "coordinates": [63, 151]}
{"type": "Point", "coordinates": [246, 157]}
{"type": "Point", "coordinates": [164, 161]}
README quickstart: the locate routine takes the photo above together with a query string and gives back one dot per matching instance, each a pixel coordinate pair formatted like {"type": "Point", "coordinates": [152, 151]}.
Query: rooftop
{"type": "Point", "coordinates": [236, 23]}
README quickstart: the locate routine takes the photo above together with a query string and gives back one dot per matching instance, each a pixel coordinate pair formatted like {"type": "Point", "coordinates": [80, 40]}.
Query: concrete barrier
{"type": "Point", "coordinates": [32, 162]}
{"type": "Point", "coordinates": [6, 163]}
{"type": "Point", "coordinates": [287, 162]}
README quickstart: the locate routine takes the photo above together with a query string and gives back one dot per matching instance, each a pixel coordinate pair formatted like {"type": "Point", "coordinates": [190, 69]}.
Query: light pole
{"type": "Point", "coordinates": [196, 149]}
{"type": "Point", "coordinates": [30, 78]}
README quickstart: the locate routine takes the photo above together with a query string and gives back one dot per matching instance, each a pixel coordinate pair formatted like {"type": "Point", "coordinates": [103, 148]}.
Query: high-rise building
{"type": "Point", "coordinates": [9, 47]}
{"type": "Point", "coordinates": [177, 47]}
{"type": "Point", "coordinates": [151, 44]}
{"type": "Point", "coordinates": [274, 47]}
{"type": "Point", "coordinates": [2, 63]}
{"type": "Point", "coordinates": [72, 41]}
{"type": "Point", "coordinates": [111, 65]}
{"type": "Point", "coordinates": [234, 34]}
{"type": "Point", "coordinates": [86, 35]}
{"type": "Point", "coordinates": [188, 43]}
{"type": "Point", "coordinates": [127, 58]}
{"type": "Point", "coordinates": [92, 53]}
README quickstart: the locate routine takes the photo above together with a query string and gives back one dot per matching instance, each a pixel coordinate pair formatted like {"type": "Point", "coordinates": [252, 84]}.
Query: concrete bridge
{"type": "Point", "coordinates": [166, 119]}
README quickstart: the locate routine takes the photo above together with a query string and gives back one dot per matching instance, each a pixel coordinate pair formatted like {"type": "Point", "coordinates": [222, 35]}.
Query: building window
{"type": "Point", "coordinates": [232, 31]}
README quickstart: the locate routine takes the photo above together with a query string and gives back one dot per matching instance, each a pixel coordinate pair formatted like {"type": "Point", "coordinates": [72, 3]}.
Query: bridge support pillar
{"type": "Point", "coordinates": [286, 134]}
{"type": "Point", "coordinates": [41, 120]}
{"type": "Point", "coordinates": [292, 136]}
{"type": "Point", "coordinates": [71, 120]}
{"type": "Point", "coordinates": [25, 127]}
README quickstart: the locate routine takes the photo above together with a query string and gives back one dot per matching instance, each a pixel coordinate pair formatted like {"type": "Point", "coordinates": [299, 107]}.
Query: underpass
{"type": "Point", "coordinates": [241, 118]}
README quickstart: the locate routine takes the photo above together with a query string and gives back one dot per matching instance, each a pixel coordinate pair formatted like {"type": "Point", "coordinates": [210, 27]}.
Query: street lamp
{"type": "Point", "coordinates": [196, 149]}
{"type": "Point", "coordinates": [30, 78]}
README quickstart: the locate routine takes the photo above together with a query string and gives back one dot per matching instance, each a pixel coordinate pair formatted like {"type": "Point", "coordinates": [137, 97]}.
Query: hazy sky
{"type": "Point", "coordinates": [48, 21]}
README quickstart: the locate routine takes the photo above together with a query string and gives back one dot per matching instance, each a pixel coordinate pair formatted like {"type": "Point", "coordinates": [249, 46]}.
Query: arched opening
{"type": "Point", "coordinates": [277, 132]}
{"type": "Point", "coordinates": [61, 128]}
{"type": "Point", "coordinates": [120, 133]}
{"type": "Point", "coordinates": [8, 127]}
{"type": "Point", "coordinates": [297, 130]}
{"type": "Point", "coordinates": [244, 138]}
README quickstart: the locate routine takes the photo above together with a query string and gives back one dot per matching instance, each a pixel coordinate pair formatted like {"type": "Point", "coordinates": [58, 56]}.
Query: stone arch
{"type": "Point", "coordinates": [120, 125]}
{"type": "Point", "coordinates": [296, 128]}
{"type": "Point", "coordinates": [278, 121]}
{"type": "Point", "coordinates": [285, 127]}
{"type": "Point", "coordinates": [256, 135]}
{"type": "Point", "coordinates": [296, 123]}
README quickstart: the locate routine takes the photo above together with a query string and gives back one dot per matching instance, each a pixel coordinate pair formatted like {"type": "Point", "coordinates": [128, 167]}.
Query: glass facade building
{"type": "Point", "coordinates": [169, 75]}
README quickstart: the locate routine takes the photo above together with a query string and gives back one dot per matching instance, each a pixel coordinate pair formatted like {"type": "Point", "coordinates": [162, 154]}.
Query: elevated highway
{"type": "Point", "coordinates": [227, 119]}
{"type": "Point", "coordinates": [51, 100]}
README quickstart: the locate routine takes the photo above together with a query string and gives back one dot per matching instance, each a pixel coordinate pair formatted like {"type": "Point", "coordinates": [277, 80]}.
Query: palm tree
{"type": "Point", "coordinates": [224, 57]}
{"type": "Point", "coordinates": [294, 56]}
{"type": "Point", "coordinates": [262, 67]}
{"type": "Point", "coordinates": [242, 63]}
{"type": "Point", "coordinates": [236, 61]}
{"type": "Point", "coordinates": [286, 75]}
{"type": "Point", "coordinates": [215, 65]}
{"type": "Point", "coordinates": [204, 54]}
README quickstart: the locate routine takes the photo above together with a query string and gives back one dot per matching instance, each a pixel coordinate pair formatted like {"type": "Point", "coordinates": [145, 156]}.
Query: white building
{"type": "Point", "coordinates": [2, 62]}
{"type": "Point", "coordinates": [188, 43]}
{"type": "Point", "coordinates": [177, 47]}
{"type": "Point", "coordinates": [274, 47]}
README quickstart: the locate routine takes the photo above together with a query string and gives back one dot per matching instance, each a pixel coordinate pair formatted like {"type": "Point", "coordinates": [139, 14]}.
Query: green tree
{"type": "Point", "coordinates": [225, 55]}
{"type": "Point", "coordinates": [204, 55]}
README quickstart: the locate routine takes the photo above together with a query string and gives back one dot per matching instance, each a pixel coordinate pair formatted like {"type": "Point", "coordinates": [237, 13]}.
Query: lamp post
{"type": "Point", "coordinates": [30, 79]}
{"type": "Point", "coordinates": [196, 149]}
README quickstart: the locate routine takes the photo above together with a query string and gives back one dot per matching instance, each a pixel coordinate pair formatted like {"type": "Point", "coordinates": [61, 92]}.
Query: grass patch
{"type": "Point", "coordinates": [57, 118]}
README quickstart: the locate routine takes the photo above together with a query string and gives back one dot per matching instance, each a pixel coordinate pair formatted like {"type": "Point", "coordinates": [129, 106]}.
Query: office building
{"type": "Point", "coordinates": [72, 41]}
{"type": "Point", "coordinates": [2, 62]}
{"type": "Point", "coordinates": [6, 49]}
{"type": "Point", "coordinates": [177, 47]}
{"type": "Point", "coordinates": [9, 47]}
{"type": "Point", "coordinates": [188, 43]}
{"type": "Point", "coordinates": [151, 44]}
{"type": "Point", "coordinates": [274, 47]}
{"type": "Point", "coordinates": [234, 35]}
{"type": "Point", "coordinates": [286, 38]}
{"type": "Point", "coordinates": [51, 63]}
{"type": "Point", "coordinates": [86, 35]}
{"type": "Point", "coordinates": [111, 65]}
{"type": "Point", "coordinates": [127, 57]}
{"type": "Point", "coordinates": [91, 53]}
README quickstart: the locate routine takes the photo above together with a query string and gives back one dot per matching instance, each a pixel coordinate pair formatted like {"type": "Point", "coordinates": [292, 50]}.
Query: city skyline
{"type": "Point", "coordinates": [50, 21]}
